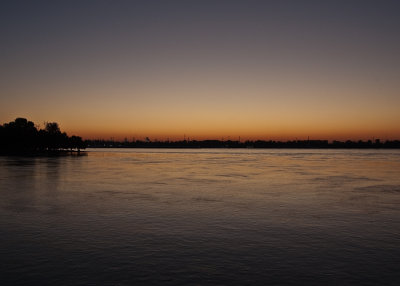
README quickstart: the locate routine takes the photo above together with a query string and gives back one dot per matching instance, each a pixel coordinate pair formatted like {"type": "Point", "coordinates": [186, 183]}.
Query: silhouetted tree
{"type": "Point", "coordinates": [76, 142]}
{"type": "Point", "coordinates": [52, 128]}
{"type": "Point", "coordinates": [21, 135]}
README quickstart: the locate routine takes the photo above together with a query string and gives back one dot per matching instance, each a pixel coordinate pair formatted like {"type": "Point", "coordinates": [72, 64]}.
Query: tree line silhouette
{"type": "Point", "coordinates": [22, 136]}
{"type": "Point", "coordinates": [394, 144]}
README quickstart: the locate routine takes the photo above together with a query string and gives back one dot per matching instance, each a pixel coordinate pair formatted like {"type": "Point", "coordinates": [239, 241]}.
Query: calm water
{"type": "Point", "coordinates": [201, 217]}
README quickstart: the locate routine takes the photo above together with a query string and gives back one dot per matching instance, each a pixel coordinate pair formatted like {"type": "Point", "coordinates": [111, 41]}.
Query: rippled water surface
{"type": "Point", "coordinates": [201, 217]}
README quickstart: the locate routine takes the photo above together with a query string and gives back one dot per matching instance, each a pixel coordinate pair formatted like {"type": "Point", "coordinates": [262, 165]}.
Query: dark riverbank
{"type": "Point", "coordinates": [298, 144]}
{"type": "Point", "coordinates": [46, 153]}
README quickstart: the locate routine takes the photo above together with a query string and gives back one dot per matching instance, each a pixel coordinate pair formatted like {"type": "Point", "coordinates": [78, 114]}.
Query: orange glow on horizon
{"type": "Point", "coordinates": [234, 135]}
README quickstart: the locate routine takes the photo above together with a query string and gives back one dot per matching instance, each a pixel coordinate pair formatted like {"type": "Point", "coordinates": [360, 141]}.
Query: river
{"type": "Point", "coordinates": [201, 217]}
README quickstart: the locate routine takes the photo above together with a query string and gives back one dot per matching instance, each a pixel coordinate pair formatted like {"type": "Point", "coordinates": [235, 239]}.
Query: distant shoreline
{"type": "Point", "coordinates": [256, 148]}
{"type": "Point", "coordinates": [259, 144]}
{"type": "Point", "coordinates": [248, 148]}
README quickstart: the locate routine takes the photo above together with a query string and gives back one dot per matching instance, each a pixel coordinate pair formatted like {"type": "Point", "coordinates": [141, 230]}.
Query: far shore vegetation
{"type": "Point", "coordinates": [23, 137]}
{"type": "Point", "coordinates": [302, 144]}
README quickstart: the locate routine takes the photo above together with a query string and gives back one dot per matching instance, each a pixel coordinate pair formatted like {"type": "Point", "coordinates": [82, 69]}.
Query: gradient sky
{"type": "Point", "coordinates": [207, 69]}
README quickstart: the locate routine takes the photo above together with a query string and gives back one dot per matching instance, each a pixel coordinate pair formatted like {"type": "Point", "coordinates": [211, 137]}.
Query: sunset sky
{"type": "Point", "coordinates": [207, 69]}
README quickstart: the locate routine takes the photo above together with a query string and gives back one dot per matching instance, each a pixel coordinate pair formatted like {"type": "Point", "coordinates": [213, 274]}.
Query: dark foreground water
{"type": "Point", "coordinates": [201, 217]}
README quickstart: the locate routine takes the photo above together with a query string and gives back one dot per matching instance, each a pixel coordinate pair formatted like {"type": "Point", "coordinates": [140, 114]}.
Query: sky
{"type": "Point", "coordinates": [271, 70]}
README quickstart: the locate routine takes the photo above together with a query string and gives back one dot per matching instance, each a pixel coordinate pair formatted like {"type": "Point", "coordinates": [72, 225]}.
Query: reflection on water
{"type": "Point", "coordinates": [124, 217]}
